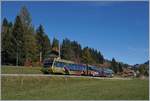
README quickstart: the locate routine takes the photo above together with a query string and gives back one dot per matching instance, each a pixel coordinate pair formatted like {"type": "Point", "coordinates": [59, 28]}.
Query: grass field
{"type": "Point", "coordinates": [20, 70]}
{"type": "Point", "coordinates": [55, 88]}
{"type": "Point", "coordinates": [72, 88]}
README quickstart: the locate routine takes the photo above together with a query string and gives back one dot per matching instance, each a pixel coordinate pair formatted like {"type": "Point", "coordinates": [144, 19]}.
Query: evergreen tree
{"type": "Point", "coordinates": [71, 50]}
{"type": "Point", "coordinates": [25, 17]}
{"type": "Point", "coordinates": [101, 58]}
{"type": "Point", "coordinates": [114, 65]}
{"type": "Point", "coordinates": [18, 41]}
{"type": "Point", "coordinates": [86, 56]}
{"type": "Point", "coordinates": [93, 56]}
{"type": "Point", "coordinates": [47, 46]}
{"type": "Point", "coordinates": [43, 43]}
{"type": "Point", "coordinates": [76, 51]}
{"type": "Point", "coordinates": [4, 27]}
{"type": "Point", "coordinates": [120, 68]}
{"type": "Point", "coordinates": [29, 37]}
{"type": "Point", "coordinates": [40, 41]}
{"type": "Point", "coordinates": [7, 50]}
{"type": "Point", "coordinates": [4, 42]}
{"type": "Point", "coordinates": [142, 69]}
{"type": "Point", "coordinates": [65, 49]}
{"type": "Point", "coordinates": [55, 44]}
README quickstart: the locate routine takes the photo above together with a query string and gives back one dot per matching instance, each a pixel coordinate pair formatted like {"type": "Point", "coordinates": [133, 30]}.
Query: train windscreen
{"type": "Point", "coordinates": [48, 63]}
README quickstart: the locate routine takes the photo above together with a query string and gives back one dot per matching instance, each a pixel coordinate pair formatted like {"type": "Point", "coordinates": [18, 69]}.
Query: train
{"type": "Point", "coordinates": [65, 67]}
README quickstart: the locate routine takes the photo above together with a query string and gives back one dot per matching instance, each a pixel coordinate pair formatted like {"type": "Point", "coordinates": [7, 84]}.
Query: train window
{"type": "Point", "coordinates": [80, 68]}
{"type": "Point", "coordinates": [47, 63]}
{"type": "Point", "coordinates": [54, 63]}
{"type": "Point", "coordinates": [83, 68]}
{"type": "Point", "coordinates": [69, 66]}
{"type": "Point", "coordinates": [72, 65]}
{"type": "Point", "coordinates": [62, 64]}
{"type": "Point", "coordinates": [76, 68]}
{"type": "Point", "coordinates": [58, 64]}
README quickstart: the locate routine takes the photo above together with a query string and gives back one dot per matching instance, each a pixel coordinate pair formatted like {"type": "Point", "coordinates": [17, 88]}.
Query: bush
{"type": "Point", "coordinates": [45, 71]}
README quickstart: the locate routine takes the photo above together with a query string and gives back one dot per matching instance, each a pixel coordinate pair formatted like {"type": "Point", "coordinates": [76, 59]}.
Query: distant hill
{"type": "Point", "coordinates": [146, 64]}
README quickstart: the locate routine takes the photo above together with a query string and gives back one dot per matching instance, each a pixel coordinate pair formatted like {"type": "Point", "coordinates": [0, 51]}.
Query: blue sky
{"type": "Point", "coordinates": [117, 29]}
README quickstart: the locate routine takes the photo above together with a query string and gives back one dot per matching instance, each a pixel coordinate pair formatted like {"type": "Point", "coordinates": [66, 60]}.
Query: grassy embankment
{"type": "Point", "coordinates": [70, 88]}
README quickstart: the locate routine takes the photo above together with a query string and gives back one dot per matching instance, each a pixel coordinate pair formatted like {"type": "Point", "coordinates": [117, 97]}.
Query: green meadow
{"type": "Point", "coordinates": [20, 70]}
{"type": "Point", "coordinates": [56, 88]}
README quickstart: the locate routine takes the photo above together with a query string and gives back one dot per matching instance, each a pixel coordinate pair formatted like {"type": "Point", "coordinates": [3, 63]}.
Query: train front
{"type": "Point", "coordinates": [49, 61]}
{"type": "Point", "coordinates": [47, 66]}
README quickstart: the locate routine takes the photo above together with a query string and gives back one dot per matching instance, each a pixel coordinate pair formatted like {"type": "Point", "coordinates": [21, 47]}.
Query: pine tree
{"type": "Point", "coordinates": [93, 55]}
{"type": "Point", "coordinates": [55, 44]}
{"type": "Point", "coordinates": [65, 49]}
{"type": "Point", "coordinates": [43, 43]}
{"type": "Point", "coordinates": [142, 69]}
{"type": "Point", "coordinates": [4, 42]}
{"type": "Point", "coordinates": [18, 41]}
{"type": "Point", "coordinates": [101, 58]}
{"type": "Point", "coordinates": [114, 65]}
{"type": "Point", "coordinates": [76, 51]}
{"type": "Point", "coordinates": [25, 17]}
{"type": "Point", "coordinates": [86, 56]}
{"type": "Point", "coordinates": [47, 46]}
{"type": "Point", "coordinates": [40, 41]}
{"type": "Point", "coordinates": [120, 68]}
{"type": "Point", "coordinates": [7, 50]}
{"type": "Point", "coordinates": [71, 50]}
{"type": "Point", "coordinates": [29, 37]}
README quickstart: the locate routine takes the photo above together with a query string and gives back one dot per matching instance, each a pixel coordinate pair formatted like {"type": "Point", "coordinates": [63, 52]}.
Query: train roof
{"type": "Point", "coordinates": [62, 60]}
{"type": "Point", "coordinates": [67, 61]}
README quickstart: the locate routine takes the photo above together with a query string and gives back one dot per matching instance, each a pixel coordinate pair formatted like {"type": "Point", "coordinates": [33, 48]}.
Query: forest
{"type": "Point", "coordinates": [23, 44]}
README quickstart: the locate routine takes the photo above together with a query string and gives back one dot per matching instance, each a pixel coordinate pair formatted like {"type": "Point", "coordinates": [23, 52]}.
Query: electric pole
{"type": "Point", "coordinates": [17, 57]}
{"type": "Point", "coordinates": [59, 50]}
{"type": "Point", "coordinates": [40, 57]}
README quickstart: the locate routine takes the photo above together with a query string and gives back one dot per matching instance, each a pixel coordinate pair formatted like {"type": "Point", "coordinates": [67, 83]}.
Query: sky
{"type": "Point", "coordinates": [117, 29]}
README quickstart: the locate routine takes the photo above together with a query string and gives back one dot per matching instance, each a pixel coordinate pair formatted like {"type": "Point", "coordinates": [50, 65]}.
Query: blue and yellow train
{"type": "Point", "coordinates": [61, 66]}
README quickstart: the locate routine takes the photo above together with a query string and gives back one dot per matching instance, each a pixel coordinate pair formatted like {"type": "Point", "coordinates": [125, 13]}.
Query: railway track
{"type": "Point", "coordinates": [66, 76]}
